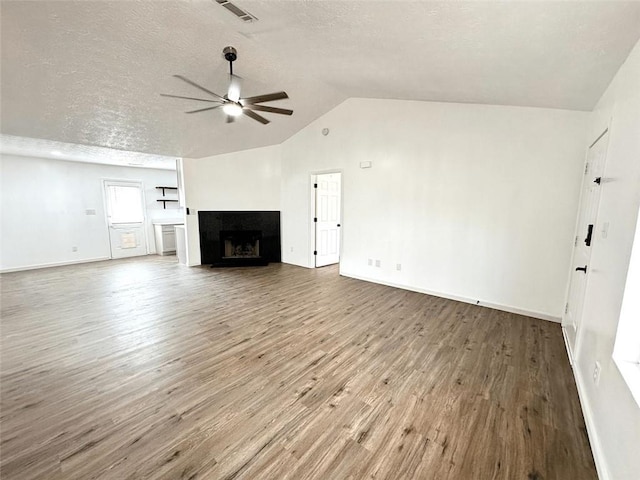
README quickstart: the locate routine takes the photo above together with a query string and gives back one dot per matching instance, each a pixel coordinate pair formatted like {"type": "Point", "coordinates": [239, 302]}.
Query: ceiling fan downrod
{"type": "Point", "coordinates": [230, 54]}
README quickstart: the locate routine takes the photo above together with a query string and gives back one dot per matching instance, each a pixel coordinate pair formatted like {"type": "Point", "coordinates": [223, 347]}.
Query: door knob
{"type": "Point", "coordinates": [582, 269]}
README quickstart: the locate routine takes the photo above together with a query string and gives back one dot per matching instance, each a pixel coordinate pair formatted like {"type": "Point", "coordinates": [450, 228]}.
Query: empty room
{"type": "Point", "coordinates": [278, 239]}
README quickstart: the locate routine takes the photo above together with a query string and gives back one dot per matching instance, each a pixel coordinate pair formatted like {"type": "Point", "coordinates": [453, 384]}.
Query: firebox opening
{"type": "Point", "coordinates": [240, 243]}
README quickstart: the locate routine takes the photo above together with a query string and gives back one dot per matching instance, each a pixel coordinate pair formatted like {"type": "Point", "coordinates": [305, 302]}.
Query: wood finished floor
{"type": "Point", "coordinates": [143, 369]}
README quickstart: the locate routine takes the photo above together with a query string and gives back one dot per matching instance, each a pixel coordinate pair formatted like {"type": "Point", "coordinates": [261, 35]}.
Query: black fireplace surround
{"type": "Point", "coordinates": [234, 239]}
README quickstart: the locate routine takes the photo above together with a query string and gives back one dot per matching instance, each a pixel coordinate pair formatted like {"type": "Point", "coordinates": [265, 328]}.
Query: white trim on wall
{"type": "Point", "coordinates": [473, 301]}
{"type": "Point", "coordinates": [53, 264]}
{"type": "Point", "coordinates": [594, 440]}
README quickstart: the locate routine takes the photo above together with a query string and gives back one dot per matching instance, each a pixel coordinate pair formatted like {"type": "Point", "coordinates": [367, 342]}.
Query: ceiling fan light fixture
{"type": "Point", "coordinates": [233, 105]}
{"type": "Point", "coordinates": [232, 109]}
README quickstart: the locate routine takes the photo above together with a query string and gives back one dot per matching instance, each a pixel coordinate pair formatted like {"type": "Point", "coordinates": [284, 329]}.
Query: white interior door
{"type": "Point", "coordinates": [327, 218]}
{"type": "Point", "coordinates": [126, 218]}
{"type": "Point", "coordinates": [585, 236]}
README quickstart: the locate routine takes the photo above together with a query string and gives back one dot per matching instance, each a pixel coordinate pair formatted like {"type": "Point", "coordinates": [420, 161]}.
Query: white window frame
{"type": "Point", "coordinates": [125, 184]}
{"type": "Point", "coordinates": [626, 351]}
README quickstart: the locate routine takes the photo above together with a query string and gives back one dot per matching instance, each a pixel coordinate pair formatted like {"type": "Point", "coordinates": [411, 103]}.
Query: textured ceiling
{"type": "Point", "coordinates": [39, 148]}
{"type": "Point", "coordinates": [89, 72]}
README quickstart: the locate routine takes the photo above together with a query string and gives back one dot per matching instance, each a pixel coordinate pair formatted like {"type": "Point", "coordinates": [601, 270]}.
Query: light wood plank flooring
{"type": "Point", "coordinates": [144, 369]}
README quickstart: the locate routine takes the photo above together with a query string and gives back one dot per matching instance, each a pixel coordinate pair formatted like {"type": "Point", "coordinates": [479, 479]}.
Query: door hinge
{"type": "Point", "coordinates": [315, 252]}
{"type": "Point", "coordinates": [586, 169]}
{"type": "Point", "coordinates": [566, 308]}
{"type": "Point", "coordinates": [575, 241]}
{"type": "Point", "coordinates": [315, 219]}
{"type": "Point", "coordinates": [315, 185]}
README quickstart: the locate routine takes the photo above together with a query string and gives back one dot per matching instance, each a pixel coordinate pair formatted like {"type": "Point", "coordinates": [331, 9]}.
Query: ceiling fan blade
{"type": "Point", "coordinates": [231, 119]}
{"type": "Point", "coordinates": [264, 108]}
{"type": "Point", "coordinates": [269, 97]}
{"type": "Point", "coordinates": [203, 109]}
{"type": "Point", "coordinates": [234, 88]}
{"type": "Point", "coordinates": [185, 79]}
{"type": "Point", "coordinates": [255, 116]}
{"type": "Point", "coordinates": [188, 98]}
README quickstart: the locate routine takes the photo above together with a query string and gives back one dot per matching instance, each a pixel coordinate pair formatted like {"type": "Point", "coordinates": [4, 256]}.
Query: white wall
{"type": "Point", "coordinates": [612, 415]}
{"type": "Point", "coordinates": [246, 180]}
{"type": "Point", "coordinates": [475, 202]}
{"type": "Point", "coordinates": [43, 206]}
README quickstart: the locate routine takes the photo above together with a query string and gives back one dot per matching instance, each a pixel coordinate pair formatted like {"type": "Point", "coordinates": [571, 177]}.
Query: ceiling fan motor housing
{"type": "Point", "coordinates": [230, 54]}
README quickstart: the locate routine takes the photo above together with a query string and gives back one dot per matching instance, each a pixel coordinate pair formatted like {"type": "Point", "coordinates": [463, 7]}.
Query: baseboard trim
{"type": "Point", "coordinates": [594, 440]}
{"type": "Point", "coordinates": [566, 345]}
{"type": "Point", "coordinates": [53, 264]}
{"type": "Point", "coordinates": [473, 301]}
{"type": "Point", "coordinates": [297, 264]}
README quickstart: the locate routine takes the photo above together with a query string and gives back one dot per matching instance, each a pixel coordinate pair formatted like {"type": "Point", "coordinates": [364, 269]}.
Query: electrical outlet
{"type": "Point", "coordinates": [377, 263]}
{"type": "Point", "coordinates": [596, 373]}
{"type": "Point", "coordinates": [74, 249]}
{"type": "Point", "coordinates": [370, 262]}
{"type": "Point", "coordinates": [398, 266]}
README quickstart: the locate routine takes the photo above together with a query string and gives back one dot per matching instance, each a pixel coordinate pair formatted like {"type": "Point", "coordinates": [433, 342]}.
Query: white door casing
{"type": "Point", "coordinates": [125, 208]}
{"type": "Point", "coordinates": [328, 191]}
{"type": "Point", "coordinates": [586, 235]}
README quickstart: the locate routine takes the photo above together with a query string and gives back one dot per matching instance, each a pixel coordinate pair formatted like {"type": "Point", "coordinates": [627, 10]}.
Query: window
{"type": "Point", "coordinates": [626, 352]}
{"type": "Point", "coordinates": [125, 203]}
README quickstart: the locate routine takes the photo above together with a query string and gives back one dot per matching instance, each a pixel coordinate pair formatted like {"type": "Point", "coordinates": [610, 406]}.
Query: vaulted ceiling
{"type": "Point", "coordinates": [90, 72]}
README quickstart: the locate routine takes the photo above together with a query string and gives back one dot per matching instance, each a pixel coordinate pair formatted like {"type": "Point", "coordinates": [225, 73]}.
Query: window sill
{"type": "Point", "coordinates": [630, 372]}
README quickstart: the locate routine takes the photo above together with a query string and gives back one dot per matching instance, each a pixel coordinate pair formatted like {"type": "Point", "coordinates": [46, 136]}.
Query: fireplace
{"type": "Point", "coordinates": [240, 243]}
{"type": "Point", "coordinates": [235, 239]}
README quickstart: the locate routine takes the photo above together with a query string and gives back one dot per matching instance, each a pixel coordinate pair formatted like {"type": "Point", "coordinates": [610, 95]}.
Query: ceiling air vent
{"type": "Point", "coordinates": [237, 11]}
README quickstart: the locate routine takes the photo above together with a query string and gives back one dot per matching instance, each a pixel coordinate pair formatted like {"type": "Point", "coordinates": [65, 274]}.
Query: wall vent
{"type": "Point", "coordinates": [237, 11]}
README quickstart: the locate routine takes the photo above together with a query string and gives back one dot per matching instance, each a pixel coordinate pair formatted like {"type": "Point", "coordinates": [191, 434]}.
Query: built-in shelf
{"type": "Point", "coordinates": [165, 200]}
{"type": "Point", "coordinates": [166, 188]}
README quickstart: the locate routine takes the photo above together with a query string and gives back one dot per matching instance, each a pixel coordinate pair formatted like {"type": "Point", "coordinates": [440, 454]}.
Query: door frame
{"type": "Point", "coordinates": [105, 202]}
{"type": "Point", "coordinates": [312, 212]}
{"type": "Point", "coordinates": [572, 350]}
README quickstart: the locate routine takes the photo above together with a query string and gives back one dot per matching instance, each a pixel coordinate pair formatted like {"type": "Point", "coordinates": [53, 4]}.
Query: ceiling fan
{"type": "Point", "coordinates": [232, 104]}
